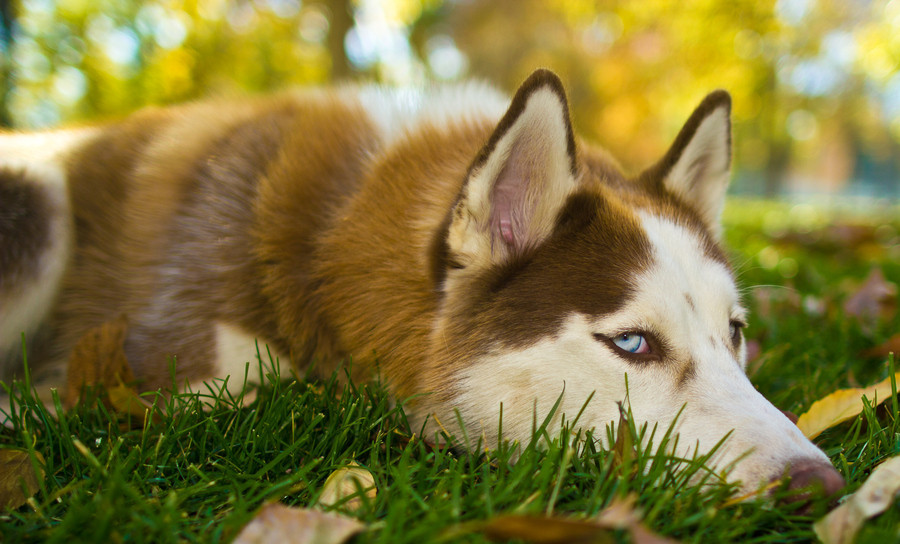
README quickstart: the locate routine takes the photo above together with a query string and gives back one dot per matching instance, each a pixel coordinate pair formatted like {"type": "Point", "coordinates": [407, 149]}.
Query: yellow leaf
{"type": "Point", "coordinates": [18, 480]}
{"type": "Point", "coordinates": [346, 482]}
{"type": "Point", "coordinates": [276, 522]}
{"type": "Point", "coordinates": [874, 497]}
{"type": "Point", "coordinates": [840, 406]}
{"type": "Point", "coordinates": [125, 400]}
{"type": "Point", "coordinates": [98, 359]}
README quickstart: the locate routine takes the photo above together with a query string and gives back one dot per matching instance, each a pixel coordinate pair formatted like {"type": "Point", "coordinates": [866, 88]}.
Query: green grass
{"type": "Point", "coordinates": [199, 473]}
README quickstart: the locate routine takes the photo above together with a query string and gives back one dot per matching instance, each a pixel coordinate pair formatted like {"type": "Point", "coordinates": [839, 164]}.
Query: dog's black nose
{"type": "Point", "coordinates": [815, 477]}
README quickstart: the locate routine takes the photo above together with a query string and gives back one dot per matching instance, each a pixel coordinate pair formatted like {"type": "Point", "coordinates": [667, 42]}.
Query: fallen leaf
{"type": "Point", "coordinates": [276, 522]}
{"type": "Point", "coordinates": [343, 487]}
{"type": "Point", "coordinates": [891, 345]}
{"type": "Point", "coordinates": [19, 477]}
{"type": "Point", "coordinates": [125, 400]}
{"type": "Point", "coordinates": [840, 406]}
{"type": "Point", "coordinates": [874, 497]}
{"type": "Point", "coordinates": [874, 301]}
{"type": "Point", "coordinates": [98, 359]}
{"type": "Point", "coordinates": [642, 535]}
{"type": "Point", "coordinates": [620, 514]}
{"type": "Point", "coordinates": [545, 530]}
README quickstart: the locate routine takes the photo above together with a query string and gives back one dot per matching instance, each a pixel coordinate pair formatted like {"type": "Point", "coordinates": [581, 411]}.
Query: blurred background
{"type": "Point", "coordinates": [815, 83]}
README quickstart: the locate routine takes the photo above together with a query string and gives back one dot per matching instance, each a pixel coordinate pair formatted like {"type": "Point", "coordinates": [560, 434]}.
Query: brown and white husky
{"type": "Point", "coordinates": [471, 245]}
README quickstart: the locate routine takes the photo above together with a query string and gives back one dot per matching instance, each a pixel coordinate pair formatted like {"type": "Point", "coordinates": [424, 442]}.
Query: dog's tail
{"type": "Point", "coordinates": [36, 239]}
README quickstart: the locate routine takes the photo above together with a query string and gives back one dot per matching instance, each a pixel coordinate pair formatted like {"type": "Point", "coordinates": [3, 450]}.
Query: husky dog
{"type": "Point", "coordinates": [483, 256]}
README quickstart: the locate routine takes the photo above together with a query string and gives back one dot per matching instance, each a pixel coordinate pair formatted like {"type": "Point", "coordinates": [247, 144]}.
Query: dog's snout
{"type": "Point", "coordinates": [813, 477]}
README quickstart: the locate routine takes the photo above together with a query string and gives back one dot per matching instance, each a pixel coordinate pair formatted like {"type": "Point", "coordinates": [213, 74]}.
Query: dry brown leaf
{"type": "Point", "coordinates": [18, 478]}
{"type": "Point", "coordinates": [891, 345]}
{"type": "Point", "coordinates": [343, 487]}
{"type": "Point", "coordinates": [874, 497]}
{"type": "Point", "coordinates": [875, 300]}
{"type": "Point", "coordinates": [545, 530]}
{"type": "Point", "coordinates": [643, 535]}
{"type": "Point", "coordinates": [98, 359]}
{"type": "Point", "coordinates": [276, 522]}
{"type": "Point", "coordinates": [840, 406]}
{"type": "Point", "coordinates": [620, 514]}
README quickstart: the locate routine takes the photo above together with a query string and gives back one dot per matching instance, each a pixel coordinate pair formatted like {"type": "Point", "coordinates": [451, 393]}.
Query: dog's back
{"type": "Point", "coordinates": [211, 225]}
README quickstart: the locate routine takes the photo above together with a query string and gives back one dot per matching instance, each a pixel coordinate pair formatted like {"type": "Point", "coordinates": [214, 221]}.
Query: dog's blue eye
{"type": "Point", "coordinates": [632, 343]}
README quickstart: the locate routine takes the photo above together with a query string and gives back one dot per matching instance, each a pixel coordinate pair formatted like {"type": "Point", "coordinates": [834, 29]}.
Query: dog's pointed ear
{"type": "Point", "coordinates": [519, 181]}
{"type": "Point", "coordinates": [697, 167]}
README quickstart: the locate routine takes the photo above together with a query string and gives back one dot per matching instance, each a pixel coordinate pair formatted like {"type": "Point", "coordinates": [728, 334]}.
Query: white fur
{"type": "Point", "coordinates": [40, 157]}
{"type": "Point", "coordinates": [32, 150]}
{"type": "Point", "coordinates": [718, 397]}
{"type": "Point", "coordinates": [234, 350]}
{"type": "Point", "coordinates": [398, 111]}
{"type": "Point", "coordinates": [526, 384]}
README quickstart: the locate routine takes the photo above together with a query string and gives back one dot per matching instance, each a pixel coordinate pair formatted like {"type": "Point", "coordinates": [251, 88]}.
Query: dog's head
{"type": "Point", "coordinates": [560, 277]}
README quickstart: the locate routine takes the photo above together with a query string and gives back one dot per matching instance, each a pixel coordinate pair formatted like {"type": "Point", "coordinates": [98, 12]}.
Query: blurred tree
{"type": "Point", "coordinates": [816, 84]}
{"type": "Point", "coordinates": [6, 25]}
{"type": "Point", "coordinates": [810, 78]}
{"type": "Point", "coordinates": [79, 59]}
{"type": "Point", "coordinates": [340, 23]}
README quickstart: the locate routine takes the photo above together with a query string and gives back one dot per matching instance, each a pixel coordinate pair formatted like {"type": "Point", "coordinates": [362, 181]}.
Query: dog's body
{"type": "Point", "coordinates": [482, 258]}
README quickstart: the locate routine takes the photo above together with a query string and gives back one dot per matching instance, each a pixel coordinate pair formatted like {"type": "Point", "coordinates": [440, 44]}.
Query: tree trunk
{"type": "Point", "coordinates": [341, 22]}
{"type": "Point", "coordinates": [7, 15]}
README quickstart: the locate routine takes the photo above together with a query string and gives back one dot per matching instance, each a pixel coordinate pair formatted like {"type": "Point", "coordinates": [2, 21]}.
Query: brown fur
{"type": "Point", "coordinates": [168, 229]}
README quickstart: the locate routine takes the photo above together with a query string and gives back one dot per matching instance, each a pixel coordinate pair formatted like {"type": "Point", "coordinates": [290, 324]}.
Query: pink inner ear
{"type": "Point", "coordinates": [508, 215]}
{"type": "Point", "coordinates": [506, 231]}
